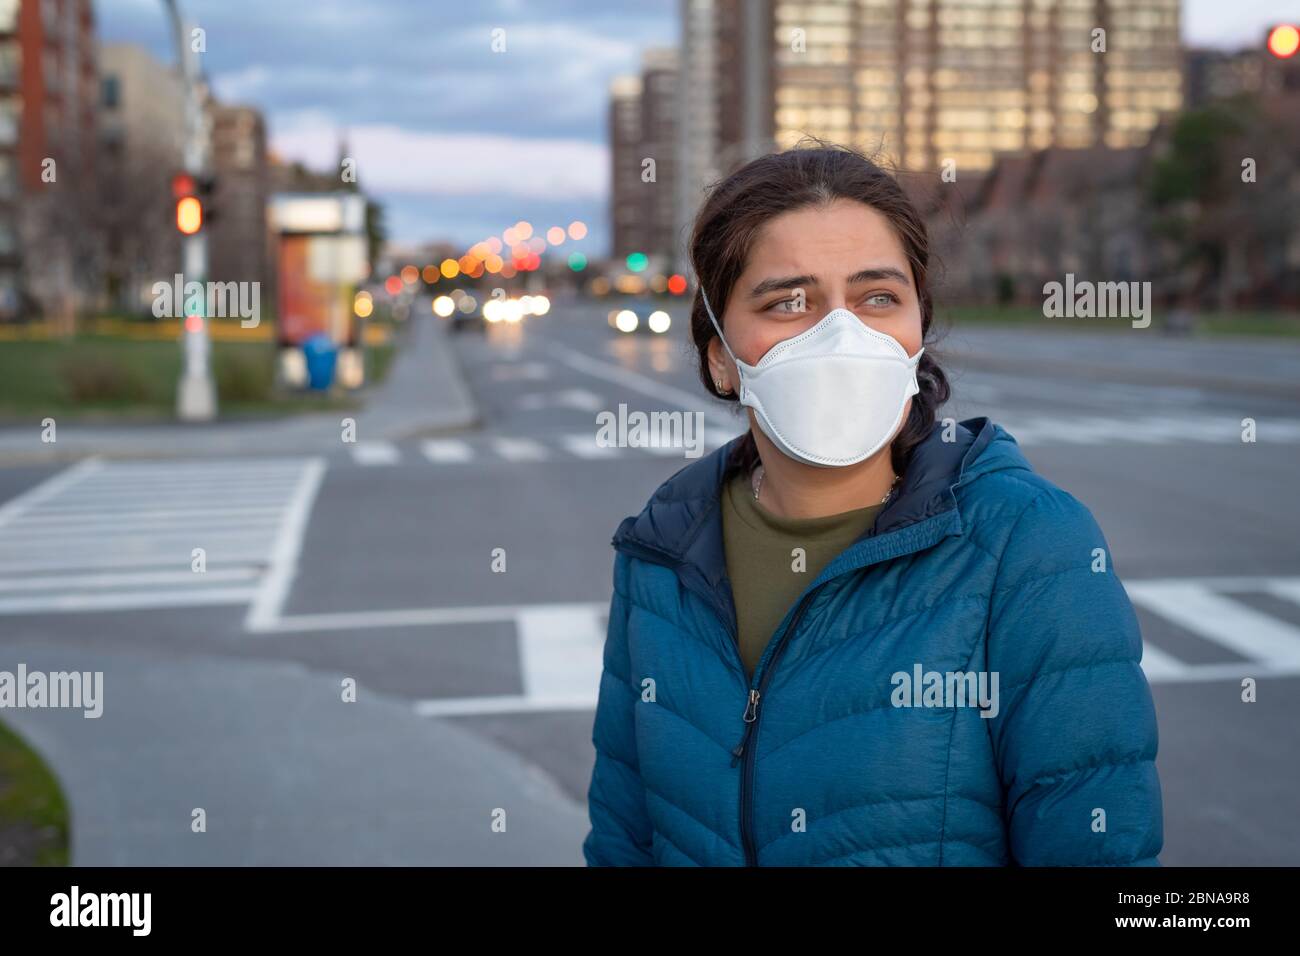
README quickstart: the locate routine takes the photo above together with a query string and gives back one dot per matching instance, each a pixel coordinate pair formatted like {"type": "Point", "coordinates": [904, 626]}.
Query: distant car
{"type": "Point", "coordinates": [640, 315]}
{"type": "Point", "coordinates": [468, 321]}
{"type": "Point", "coordinates": [464, 312]}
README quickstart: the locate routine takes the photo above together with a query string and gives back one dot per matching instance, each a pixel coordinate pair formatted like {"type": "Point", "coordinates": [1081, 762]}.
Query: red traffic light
{"type": "Point", "coordinates": [183, 185]}
{"type": "Point", "coordinates": [1283, 41]}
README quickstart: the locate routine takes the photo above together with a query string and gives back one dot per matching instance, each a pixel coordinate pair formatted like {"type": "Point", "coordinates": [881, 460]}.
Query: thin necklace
{"type": "Point", "coordinates": [757, 483]}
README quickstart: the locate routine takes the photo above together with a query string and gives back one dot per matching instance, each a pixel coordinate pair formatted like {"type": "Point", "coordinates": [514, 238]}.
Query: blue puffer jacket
{"type": "Point", "coordinates": [978, 564]}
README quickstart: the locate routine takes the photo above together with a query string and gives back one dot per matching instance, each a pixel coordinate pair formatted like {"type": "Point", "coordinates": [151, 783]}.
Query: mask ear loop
{"type": "Point", "coordinates": [709, 309]}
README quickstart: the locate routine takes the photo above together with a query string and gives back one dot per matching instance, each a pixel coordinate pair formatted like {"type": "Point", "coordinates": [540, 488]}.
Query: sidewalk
{"type": "Point", "coordinates": [425, 393]}
{"type": "Point", "coordinates": [287, 773]}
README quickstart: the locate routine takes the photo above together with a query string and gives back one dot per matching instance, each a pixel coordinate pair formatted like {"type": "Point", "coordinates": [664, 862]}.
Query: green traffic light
{"type": "Point", "coordinates": [577, 261]}
{"type": "Point", "coordinates": [637, 261]}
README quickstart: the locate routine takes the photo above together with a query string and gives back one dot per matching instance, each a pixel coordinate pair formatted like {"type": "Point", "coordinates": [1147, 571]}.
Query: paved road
{"type": "Point", "coordinates": [379, 561]}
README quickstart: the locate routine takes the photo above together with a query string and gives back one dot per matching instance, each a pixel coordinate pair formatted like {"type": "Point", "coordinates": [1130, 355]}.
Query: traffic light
{"type": "Point", "coordinates": [191, 194]}
{"type": "Point", "coordinates": [1283, 41]}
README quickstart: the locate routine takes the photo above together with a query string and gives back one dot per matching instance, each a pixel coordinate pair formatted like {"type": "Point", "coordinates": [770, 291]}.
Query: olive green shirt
{"type": "Point", "coordinates": [767, 572]}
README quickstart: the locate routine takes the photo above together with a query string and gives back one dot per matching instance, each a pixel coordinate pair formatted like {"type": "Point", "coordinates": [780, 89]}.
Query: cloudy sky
{"type": "Point", "coordinates": [460, 141]}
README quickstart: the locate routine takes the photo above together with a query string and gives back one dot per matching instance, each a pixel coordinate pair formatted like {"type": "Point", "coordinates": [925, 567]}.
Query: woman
{"type": "Point", "coordinates": [857, 635]}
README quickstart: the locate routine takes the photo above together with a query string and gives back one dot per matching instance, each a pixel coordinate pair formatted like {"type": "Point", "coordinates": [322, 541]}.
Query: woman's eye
{"type": "Point", "coordinates": [881, 299]}
{"type": "Point", "coordinates": [785, 305]}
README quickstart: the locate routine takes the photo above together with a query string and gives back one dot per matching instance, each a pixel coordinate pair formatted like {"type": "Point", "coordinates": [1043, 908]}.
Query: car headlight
{"type": "Point", "coordinates": [626, 321]}
{"type": "Point", "coordinates": [659, 321]}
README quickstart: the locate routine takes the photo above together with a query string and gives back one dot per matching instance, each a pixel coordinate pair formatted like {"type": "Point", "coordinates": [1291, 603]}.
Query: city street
{"type": "Point", "coordinates": [378, 561]}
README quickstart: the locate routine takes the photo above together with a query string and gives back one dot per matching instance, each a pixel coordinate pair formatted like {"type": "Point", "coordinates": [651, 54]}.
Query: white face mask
{"type": "Point", "coordinates": [832, 395]}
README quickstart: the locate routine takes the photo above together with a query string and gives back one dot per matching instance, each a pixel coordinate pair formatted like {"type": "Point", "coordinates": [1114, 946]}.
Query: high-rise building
{"type": "Point", "coordinates": [49, 94]}
{"type": "Point", "coordinates": [697, 116]}
{"type": "Point", "coordinates": [659, 144]}
{"type": "Point", "coordinates": [626, 211]}
{"type": "Point", "coordinates": [644, 158]}
{"type": "Point", "coordinates": [922, 82]}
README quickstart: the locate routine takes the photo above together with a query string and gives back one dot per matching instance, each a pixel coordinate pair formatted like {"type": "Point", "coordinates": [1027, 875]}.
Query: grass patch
{"type": "Point", "coordinates": [33, 813]}
{"type": "Point", "coordinates": [379, 359]}
{"type": "Point", "coordinates": [115, 377]}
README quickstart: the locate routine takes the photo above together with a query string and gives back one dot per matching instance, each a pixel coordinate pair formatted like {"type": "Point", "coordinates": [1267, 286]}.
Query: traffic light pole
{"type": "Point", "coordinates": [196, 395]}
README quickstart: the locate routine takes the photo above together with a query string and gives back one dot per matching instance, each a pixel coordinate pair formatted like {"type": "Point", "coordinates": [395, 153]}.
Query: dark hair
{"type": "Point", "coordinates": [737, 208]}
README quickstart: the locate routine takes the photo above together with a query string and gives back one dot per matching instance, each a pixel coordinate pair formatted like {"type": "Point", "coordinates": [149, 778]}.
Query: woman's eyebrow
{"type": "Point", "coordinates": [875, 275]}
{"type": "Point", "coordinates": [774, 285]}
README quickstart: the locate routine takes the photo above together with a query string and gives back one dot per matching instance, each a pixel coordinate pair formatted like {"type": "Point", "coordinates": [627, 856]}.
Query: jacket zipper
{"type": "Point", "coordinates": [742, 750]}
{"type": "Point", "coordinates": [745, 748]}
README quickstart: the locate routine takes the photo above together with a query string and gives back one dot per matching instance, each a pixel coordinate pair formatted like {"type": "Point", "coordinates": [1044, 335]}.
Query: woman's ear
{"type": "Point", "coordinates": [720, 368]}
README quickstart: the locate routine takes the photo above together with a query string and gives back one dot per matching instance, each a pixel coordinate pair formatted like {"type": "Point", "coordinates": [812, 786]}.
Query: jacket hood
{"type": "Point", "coordinates": [673, 521]}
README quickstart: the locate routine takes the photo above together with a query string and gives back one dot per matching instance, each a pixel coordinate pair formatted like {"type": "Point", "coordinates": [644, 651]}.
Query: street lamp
{"type": "Point", "coordinates": [196, 395]}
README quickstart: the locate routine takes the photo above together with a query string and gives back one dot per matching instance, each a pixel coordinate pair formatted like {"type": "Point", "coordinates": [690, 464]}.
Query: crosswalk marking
{"type": "Point", "coordinates": [111, 580]}
{"type": "Point", "coordinates": [376, 453]}
{"type": "Point", "coordinates": [121, 535]}
{"type": "Point", "coordinates": [1252, 634]}
{"type": "Point", "coordinates": [1283, 588]}
{"type": "Point", "coordinates": [442, 451]}
{"type": "Point", "coordinates": [1159, 665]}
{"type": "Point", "coordinates": [519, 449]}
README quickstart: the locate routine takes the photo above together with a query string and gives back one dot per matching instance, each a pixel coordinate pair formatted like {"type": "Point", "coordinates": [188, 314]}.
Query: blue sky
{"type": "Point", "coordinates": [457, 140]}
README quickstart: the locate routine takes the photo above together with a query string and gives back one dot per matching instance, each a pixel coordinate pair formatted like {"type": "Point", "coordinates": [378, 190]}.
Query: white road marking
{"type": "Point", "coordinates": [152, 559]}
{"type": "Point", "coordinates": [1194, 607]}
{"type": "Point", "coordinates": [665, 393]}
{"type": "Point", "coordinates": [107, 535]}
{"type": "Point", "coordinates": [1138, 430]}
{"type": "Point", "coordinates": [561, 646]}
{"type": "Point", "coordinates": [126, 600]}
{"type": "Point", "coordinates": [284, 560]}
{"type": "Point", "coordinates": [442, 451]}
{"type": "Point", "coordinates": [561, 650]}
{"type": "Point", "coordinates": [1159, 665]}
{"type": "Point", "coordinates": [503, 704]}
{"type": "Point", "coordinates": [376, 453]}
{"type": "Point", "coordinates": [577, 398]}
{"type": "Point", "coordinates": [519, 449]}
{"type": "Point", "coordinates": [409, 617]}
{"type": "Point", "coordinates": [53, 518]}
{"type": "Point", "coordinates": [526, 371]}
{"type": "Point", "coordinates": [94, 529]}
{"type": "Point", "coordinates": [110, 580]}
{"type": "Point", "coordinates": [29, 500]}
{"type": "Point", "coordinates": [1288, 589]}
{"type": "Point", "coordinates": [581, 399]}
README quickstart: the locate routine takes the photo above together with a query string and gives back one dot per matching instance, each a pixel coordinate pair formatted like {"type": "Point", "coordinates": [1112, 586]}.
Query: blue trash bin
{"type": "Point", "coordinates": [321, 354]}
